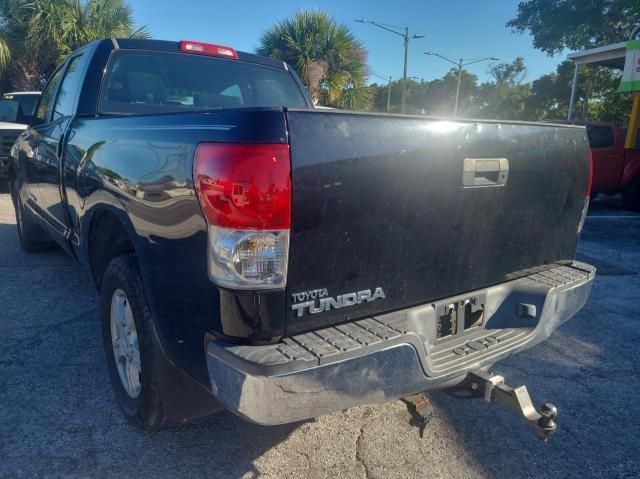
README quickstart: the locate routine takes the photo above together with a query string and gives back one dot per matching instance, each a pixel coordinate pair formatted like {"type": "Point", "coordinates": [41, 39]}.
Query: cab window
{"type": "Point", "coordinates": [159, 82]}
{"type": "Point", "coordinates": [600, 136]}
{"type": "Point", "coordinates": [65, 100]}
{"type": "Point", "coordinates": [44, 107]}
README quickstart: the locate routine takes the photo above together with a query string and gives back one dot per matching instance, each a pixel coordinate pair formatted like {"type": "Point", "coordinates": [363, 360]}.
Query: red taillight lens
{"type": "Point", "coordinates": [243, 186]}
{"type": "Point", "coordinates": [207, 49]}
{"type": "Point", "coordinates": [244, 191]}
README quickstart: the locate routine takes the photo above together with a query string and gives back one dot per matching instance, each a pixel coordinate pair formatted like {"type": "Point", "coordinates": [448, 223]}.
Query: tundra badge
{"type": "Point", "coordinates": [318, 300]}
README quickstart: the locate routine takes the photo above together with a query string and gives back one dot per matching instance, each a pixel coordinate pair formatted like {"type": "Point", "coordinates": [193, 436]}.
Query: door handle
{"type": "Point", "coordinates": [485, 172]}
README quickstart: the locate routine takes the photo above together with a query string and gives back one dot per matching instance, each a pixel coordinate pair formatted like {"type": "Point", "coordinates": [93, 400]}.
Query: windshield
{"type": "Point", "coordinates": [156, 82]}
{"type": "Point", "coordinates": [27, 102]}
{"type": "Point", "coordinates": [11, 111]}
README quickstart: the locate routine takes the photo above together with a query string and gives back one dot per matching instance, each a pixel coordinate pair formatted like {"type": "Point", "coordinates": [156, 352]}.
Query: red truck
{"type": "Point", "coordinates": [616, 169]}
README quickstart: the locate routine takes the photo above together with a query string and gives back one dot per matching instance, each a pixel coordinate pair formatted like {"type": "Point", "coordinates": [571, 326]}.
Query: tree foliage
{"type": "Point", "coordinates": [596, 95]}
{"type": "Point", "coordinates": [508, 96]}
{"type": "Point", "coordinates": [330, 61]}
{"type": "Point", "coordinates": [555, 25]}
{"type": "Point", "coordinates": [35, 35]}
{"type": "Point", "coordinates": [505, 96]}
{"type": "Point", "coordinates": [434, 97]}
{"type": "Point", "coordinates": [575, 24]}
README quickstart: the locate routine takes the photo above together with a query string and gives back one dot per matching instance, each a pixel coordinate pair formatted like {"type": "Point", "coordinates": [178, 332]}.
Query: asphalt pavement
{"type": "Point", "coordinates": [58, 416]}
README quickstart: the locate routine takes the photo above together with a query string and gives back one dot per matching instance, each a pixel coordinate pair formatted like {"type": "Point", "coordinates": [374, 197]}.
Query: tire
{"type": "Point", "coordinates": [139, 399]}
{"type": "Point", "coordinates": [631, 195]}
{"type": "Point", "coordinates": [30, 235]}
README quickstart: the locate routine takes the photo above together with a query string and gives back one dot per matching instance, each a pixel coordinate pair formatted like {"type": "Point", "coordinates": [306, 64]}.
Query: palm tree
{"type": "Point", "coordinates": [35, 35]}
{"type": "Point", "coordinates": [330, 61]}
{"type": "Point", "coordinates": [5, 54]}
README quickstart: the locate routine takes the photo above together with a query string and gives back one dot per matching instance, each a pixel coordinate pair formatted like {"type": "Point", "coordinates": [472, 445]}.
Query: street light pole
{"type": "Point", "coordinates": [406, 38]}
{"type": "Point", "coordinates": [404, 75]}
{"type": "Point", "coordinates": [460, 63]}
{"type": "Point", "coordinates": [455, 108]}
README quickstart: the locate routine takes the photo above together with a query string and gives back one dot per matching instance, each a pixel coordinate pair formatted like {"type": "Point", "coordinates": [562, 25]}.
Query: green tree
{"type": "Point", "coordinates": [5, 54]}
{"type": "Point", "coordinates": [35, 35]}
{"type": "Point", "coordinates": [441, 94]}
{"type": "Point", "coordinates": [575, 24]}
{"type": "Point", "coordinates": [415, 102]}
{"type": "Point", "coordinates": [596, 95]}
{"type": "Point", "coordinates": [330, 61]}
{"type": "Point", "coordinates": [435, 98]}
{"type": "Point", "coordinates": [505, 97]}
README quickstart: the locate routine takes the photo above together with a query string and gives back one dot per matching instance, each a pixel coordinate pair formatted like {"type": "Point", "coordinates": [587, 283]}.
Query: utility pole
{"type": "Point", "coordinates": [388, 94]}
{"type": "Point", "coordinates": [406, 38]}
{"type": "Point", "coordinates": [403, 102]}
{"type": "Point", "coordinates": [455, 108]}
{"type": "Point", "coordinates": [460, 63]}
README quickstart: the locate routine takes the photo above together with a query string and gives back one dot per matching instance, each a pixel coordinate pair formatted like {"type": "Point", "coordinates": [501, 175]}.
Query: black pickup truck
{"type": "Point", "coordinates": [283, 262]}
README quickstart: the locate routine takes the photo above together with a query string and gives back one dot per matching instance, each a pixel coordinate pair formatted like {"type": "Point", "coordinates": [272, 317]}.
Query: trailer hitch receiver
{"type": "Point", "coordinates": [420, 409]}
{"type": "Point", "coordinates": [492, 387]}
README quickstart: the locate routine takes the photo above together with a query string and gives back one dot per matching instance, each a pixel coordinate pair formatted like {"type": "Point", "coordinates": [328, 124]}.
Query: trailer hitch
{"type": "Point", "coordinates": [492, 387]}
{"type": "Point", "coordinates": [421, 411]}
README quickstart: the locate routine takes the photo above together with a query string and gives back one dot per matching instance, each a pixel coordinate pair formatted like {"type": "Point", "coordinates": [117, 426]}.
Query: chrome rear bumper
{"type": "Point", "coordinates": [390, 356]}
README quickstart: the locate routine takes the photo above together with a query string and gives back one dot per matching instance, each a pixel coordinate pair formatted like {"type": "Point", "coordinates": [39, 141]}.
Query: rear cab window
{"type": "Point", "coordinates": [147, 82]}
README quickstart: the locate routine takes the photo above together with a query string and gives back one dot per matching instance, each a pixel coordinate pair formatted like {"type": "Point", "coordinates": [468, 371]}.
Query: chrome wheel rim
{"type": "Point", "coordinates": [124, 339]}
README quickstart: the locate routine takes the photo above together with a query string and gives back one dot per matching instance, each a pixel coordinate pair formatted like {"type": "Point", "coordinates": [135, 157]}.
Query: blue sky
{"type": "Point", "coordinates": [458, 28]}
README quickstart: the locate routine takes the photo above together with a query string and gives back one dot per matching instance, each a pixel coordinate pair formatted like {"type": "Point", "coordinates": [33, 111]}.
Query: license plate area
{"type": "Point", "coordinates": [456, 316]}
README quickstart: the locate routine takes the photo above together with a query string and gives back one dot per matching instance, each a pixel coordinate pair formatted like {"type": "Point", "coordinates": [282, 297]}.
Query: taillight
{"type": "Point", "coordinates": [207, 49]}
{"type": "Point", "coordinates": [245, 194]}
{"type": "Point", "coordinates": [585, 208]}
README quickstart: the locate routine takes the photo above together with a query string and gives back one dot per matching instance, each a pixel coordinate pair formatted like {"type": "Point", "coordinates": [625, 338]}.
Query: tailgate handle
{"type": "Point", "coordinates": [485, 172]}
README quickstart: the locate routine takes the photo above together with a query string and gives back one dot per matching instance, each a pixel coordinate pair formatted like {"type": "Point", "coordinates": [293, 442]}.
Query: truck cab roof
{"type": "Point", "coordinates": [173, 46]}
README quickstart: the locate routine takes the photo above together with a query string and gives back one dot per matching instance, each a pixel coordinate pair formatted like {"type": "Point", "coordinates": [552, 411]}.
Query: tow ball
{"type": "Point", "coordinates": [492, 387]}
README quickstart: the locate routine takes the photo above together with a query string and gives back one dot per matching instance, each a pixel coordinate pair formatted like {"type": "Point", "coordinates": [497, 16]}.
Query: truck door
{"type": "Point", "coordinates": [30, 165]}
{"type": "Point", "coordinates": [49, 149]}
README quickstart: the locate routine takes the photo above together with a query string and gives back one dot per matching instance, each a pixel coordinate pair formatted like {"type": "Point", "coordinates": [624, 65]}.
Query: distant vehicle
{"type": "Point", "coordinates": [15, 110]}
{"type": "Point", "coordinates": [27, 100]}
{"type": "Point", "coordinates": [283, 261]}
{"type": "Point", "coordinates": [616, 169]}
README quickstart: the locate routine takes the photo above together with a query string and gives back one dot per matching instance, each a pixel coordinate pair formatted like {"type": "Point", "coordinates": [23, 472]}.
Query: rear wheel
{"type": "Point", "coordinates": [128, 344]}
{"type": "Point", "coordinates": [631, 195]}
{"type": "Point", "coordinates": [30, 235]}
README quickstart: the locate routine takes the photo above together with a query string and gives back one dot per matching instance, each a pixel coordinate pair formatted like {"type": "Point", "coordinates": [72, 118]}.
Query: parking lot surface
{"type": "Point", "coordinates": [59, 418]}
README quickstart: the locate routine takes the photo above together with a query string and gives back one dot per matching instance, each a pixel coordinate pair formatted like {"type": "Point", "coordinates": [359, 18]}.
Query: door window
{"type": "Point", "coordinates": [65, 100]}
{"type": "Point", "coordinates": [44, 107]}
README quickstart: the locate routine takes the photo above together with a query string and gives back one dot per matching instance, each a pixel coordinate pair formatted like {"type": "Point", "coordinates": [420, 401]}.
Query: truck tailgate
{"type": "Point", "coordinates": [424, 209]}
